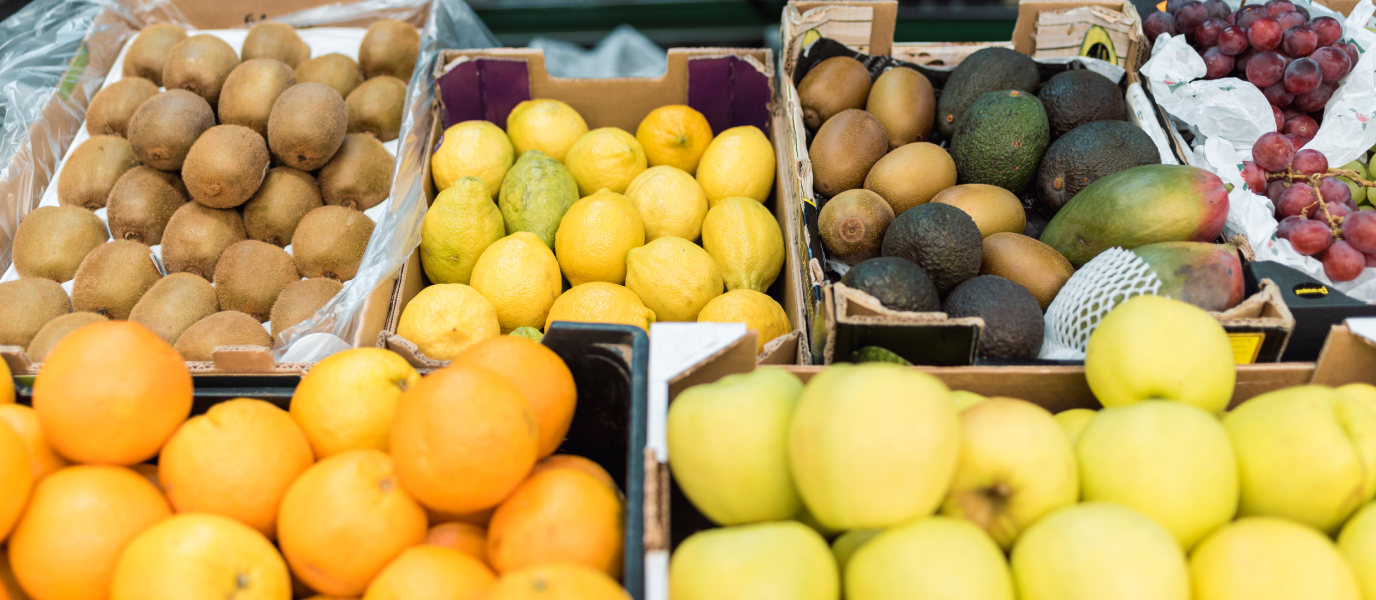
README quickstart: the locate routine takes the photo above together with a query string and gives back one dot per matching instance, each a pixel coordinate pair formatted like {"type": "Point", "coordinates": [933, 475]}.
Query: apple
{"type": "Point", "coordinates": [1267, 558]}
{"type": "Point", "coordinates": [1016, 465]}
{"type": "Point", "coordinates": [1073, 421]}
{"type": "Point", "coordinates": [1363, 393]}
{"type": "Point", "coordinates": [1099, 551]}
{"type": "Point", "coordinates": [847, 543]}
{"type": "Point", "coordinates": [1358, 545]}
{"type": "Point", "coordinates": [781, 559]}
{"type": "Point", "coordinates": [936, 558]}
{"type": "Point", "coordinates": [964, 399]}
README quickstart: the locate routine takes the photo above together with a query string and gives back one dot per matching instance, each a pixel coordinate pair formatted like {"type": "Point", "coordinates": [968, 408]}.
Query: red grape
{"type": "Point", "coordinates": [1265, 69]}
{"type": "Point", "coordinates": [1314, 100]}
{"type": "Point", "coordinates": [1174, 5]}
{"type": "Point", "coordinates": [1240, 61]}
{"type": "Point", "coordinates": [1342, 262]}
{"type": "Point", "coordinates": [1254, 176]}
{"type": "Point", "coordinates": [1272, 152]}
{"type": "Point", "coordinates": [1359, 230]}
{"type": "Point", "coordinates": [1298, 199]}
{"type": "Point", "coordinates": [1280, 117]}
{"type": "Point", "coordinates": [1298, 141]}
{"type": "Point", "coordinates": [1303, 11]}
{"type": "Point", "coordinates": [1302, 76]}
{"type": "Point", "coordinates": [1290, 113]}
{"type": "Point", "coordinates": [1264, 34]}
{"type": "Point", "coordinates": [1370, 261]}
{"type": "Point", "coordinates": [1250, 16]}
{"type": "Point", "coordinates": [1287, 224]}
{"type": "Point", "coordinates": [1328, 28]}
{"type": "Point", "coordinates": [1310, 162]}
{"type": "Point", "coordinates": [1217, 64]}
{"type": "Point", "coordinates": [1335, 191]}
{"type": "Point", "coordinates": [1218, 9]}
{"type": "Point", "coordinates": [1274, 190]}
{"type": "Point", "coordinates": [1299, 41]}
{"type": "Point", "coordinates": [1333, 61]}
{"type": "Point", "coordinates": [1277, 95]}
{"type": "Point", "coordinates": [1351, 50]}
{"type": "Point", "coordinates": [1230, 19]}
{"type": "Point", "coordinates": [1190, 15]}
{"type": "Point", "coordinates": [1335, 211]}
{"type": "Point", "coordinates": [1232, 40]}
{"type": "Point", "coordinates": [1291, 19]}
{"type": "Point", "coordinates": [1276, 7]}
{"type": "Point", "coordinates": [1310, 237]}
{"type": "Point", "coordinates": [1158, 23]}
{"type": "Point", "coordinates": [1206, 35]}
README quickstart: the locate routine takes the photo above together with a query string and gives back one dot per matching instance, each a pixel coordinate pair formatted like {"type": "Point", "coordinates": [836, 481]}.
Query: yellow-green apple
{"type": "Point", "coordinates": [964, 399]}
{"type": "Point", "coordinates": [1362, 392]}
{"type": "Point", "coordinates": [781, 559]}
{"type": "Point", "coordinates": [1268, 558]}
{"type": "Point", "coordinates": [936, 558]}
{"type": "Point", "coordinates": [1073, 421]}
{"type": "Point", "coordinates": [1358, 545]}
{"type": "Point", "coordinates": [845, 545]}
{"type": "Point", "coordinates": [1099, 551]}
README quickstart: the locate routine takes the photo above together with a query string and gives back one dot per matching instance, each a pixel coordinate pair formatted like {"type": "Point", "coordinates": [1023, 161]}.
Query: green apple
{"type": "Point", "coordinates": [1358, 544]}
{"type": "Point", "coordinates": [1306, 453]}
{"type": "Point", "coordinates": [1266, 558]}
{"type": "Point", "coordinates": [782, 559]}
{"type": "Point", "coordinates": [728, 446]}
{"type": "Point", "coordinates": [1073, 421]}
{"type": "Point", "coordinates": [1169, 461]}
{"type": "Point", "coordinates": [847, 543]}
{"type": "Point", "coordinates": [1016, 465]}
{"type": "Point", "coordinates": [1099, 551]}
{"type": "Point", "coordinates": [964, 399]}
{"type": "Point", "coordinates": [873, 445]}
{"type": "Point", "coordinates": [1154, 347]}
{"type": "Point", "coordinates": [937, 558]}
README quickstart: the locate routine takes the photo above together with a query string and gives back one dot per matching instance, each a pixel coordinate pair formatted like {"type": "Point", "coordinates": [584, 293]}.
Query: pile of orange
{"type": "Point", "coordinates": [378, 484]}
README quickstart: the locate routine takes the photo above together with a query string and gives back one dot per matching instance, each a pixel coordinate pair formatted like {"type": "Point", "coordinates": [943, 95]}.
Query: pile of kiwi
{"type": "Point", "coordinates": [249, 170]}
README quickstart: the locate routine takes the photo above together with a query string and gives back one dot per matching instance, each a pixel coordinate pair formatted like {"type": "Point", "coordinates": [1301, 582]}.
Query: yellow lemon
{"type": "Point", "coordinates": [669, 202]}
{"type": "Point", "coordinates": [739, 162]}
{"type": "Point", "coordinates": [458, 227]}
{"type": "Point", "coordinates": [745, 240]}
{"type": "Point", "coordinates": [346, 401]}
{"type": "Point", "coordinates": [547, 125]}
{"type": "Point", "coordinates": [594, 237]}
{"type": "Point", "coordinates": [606, 157]}
{"type": "Point", "coordinates": [442, 320]}
{"type": "Point", "coordinates": [520, 277]}
{"type": "Point", "coordinates": [472, 149]}
{"type": "Point", "coordinates": [674, 135]}
{"type": "Point", "coordinates": [601, 302]}
{"type": "Point", "coordinates": [673, 277]}
{"type": "Point", "coordinates": [758, 311]}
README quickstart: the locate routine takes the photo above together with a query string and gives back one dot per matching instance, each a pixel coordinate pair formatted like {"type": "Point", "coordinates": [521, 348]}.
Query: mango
{"type": "Point", "coordinates": [1206, 275]}
{"type": "Point", "coordinates": [782, 559]}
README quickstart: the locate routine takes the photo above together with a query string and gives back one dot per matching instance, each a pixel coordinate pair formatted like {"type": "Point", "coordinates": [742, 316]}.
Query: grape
{"type": "Point", "coordinates": [1276, 7]}
{"type": "Point", "coordinates": [1298, 199]}
{"type": "Point", "coordinates": [1174, 5]}
{"type": "Point", "coordinates": [1190, 15]}
{"type": "Point", "coordinates": [1254, 176]}
{"type": "Point", "coordinates": [1333, 61]}
{"type": "Point", "coordinates": [1232, 40]}
{"type": "Point", "coordinates": [1272, 152]}
{"type": "Point", "coordinates": [1290, 113]}
{"type": "Point", "coordinates": [1328, 28]}
{"type": "Point", "coordinates": [1335, 191]}
{"type": "Point", "coordinates": [1314, 100]}
{"type": "Point", "coordinates": [1299, 41]}
{"type": "Point", "coordinates": [1351, 50]}
{"type": "Point", "coordinates": [1310, 237]}
{"type": "Point", "coordinates": [1277, 95]}
{"type": "Point", "coordinates": [1158, 23]}
{"type": "Point", "coordinates": [1370, 261]}
{"type": "Point", "coordinates": [1310, 162]}
{"type": "Point", "coordinates": [1217, 64]}
{"type": "Point", "coordinates": [1291, 19]}
{"type": "Point", "coordinates": [1206, 35]}
{"type": "Point", "coordinates": [1359, 230]}
{"type": "Point", "coordinates": [1303, 11]}
{"type": "Point", "coordinates": [1265, 69]}
{"type": "Point", "coordinates": [1280, 117]}
{"type": "Point", "coordinates": [1287, 224]}
{"type": "Point", "coordinates": [1218, 9]}
{"type": "Point", "coordinates": [1230, 19]}
{"type": "Point", "coordinates": [1302, 76]}
{"type": "Point", "coordinates": [1342, 262]}
{"type": "Point", "coordinates": [1335, 211]}
{"type": "Point", "coordinates": [1249, 16]}
{"type": "Point", "coordinates": [1241, 61]}
{"type": "Point", "coordinates": [1297, 141]}
{"type": "Point", "coordinates": [1265, 34]}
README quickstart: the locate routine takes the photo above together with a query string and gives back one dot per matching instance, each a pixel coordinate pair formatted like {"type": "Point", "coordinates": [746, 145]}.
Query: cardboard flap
{"type": "Point", "coordinates": [17, 360]}
{"type": "Point", "coordinates": [1346, 358]}
{"type": "Point", "coordinates": [865, 26]}
{"type": "Point", "coordinates": [1265, 305]}
{"type": "Point", "coordinates": [738, 357]}
{"type": "Point", "coordinates": [411, 353]}
{"type": "Point", "coordinates": [782, 350]}
{"type": "Point", "coordinates": [242, 359]}
{"type": "Point", "coordinates": [656, 502]}
{"type": "Point", "coordinates": [858, 308]}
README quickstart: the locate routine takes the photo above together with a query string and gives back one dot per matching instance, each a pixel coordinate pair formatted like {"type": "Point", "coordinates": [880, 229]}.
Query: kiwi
{"type": "Point", "coordinates": [375, 107]}
{"type": "Point", "coordinates": [142, 202]}
{"type": "Point", "coordinates": [389, 48]}
{"type": "Point", "coordinates": [250, 275]}
{"type": "Point", "coordinates": [113, 278]}
{"type": "Point", "coordinates": [199, 64]}
{"type": "Point", "coordinates": [277, 41]}
{"type": "Point", "coordinates": [360, 174]}
{"type": "Point", "coordinates": [26, 305]}
{"type": "Point", "coordinates": [335, 71]}
{"type": "Point", "coordinates": [852, 225]}
{"type": "Point", "coordinates": [330, 242]}
{"type": "Point", "coordinates": [164, 128]}
{"type": "Point", "coordinates": [92, 170]}
{"type": "Point", "coordinates": [279, 204]}
{"type": "Point", "coordinates": [52, 241]}
{"type": "Point", "coordinates": [112, 107]}
{"type": "Point", "coordinates": [148, 51]}
{"type": "Point", "coordinates": [844, 150]}
{"type": "Point", "coordinates": [307, 125]}
{"type": "Point", "coordinates": [56, 329]}
{"type": "Point", "coordinates": [904, 102]}
{"type": "Point", "coordinates": [197, 235]}
{"type": "Point", "coordinates": [224, 328]}
{"type": "Point", "coordinates": [174, 303]}
{"type": "Point", "coordinates": [225, 166]}
{"type": "Point", "coordinates": [251, 90]}
{"type": "Point", "coordinates": [833, 85]}
{"type": "Point", "coordinates": [299, 301]}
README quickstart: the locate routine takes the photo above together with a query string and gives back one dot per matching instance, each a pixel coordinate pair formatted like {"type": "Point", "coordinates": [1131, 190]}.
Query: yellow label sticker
{"type": "Point", "coordinates": [1246, 347]}
{"type": "Point", "coordinates": [1161, 6]}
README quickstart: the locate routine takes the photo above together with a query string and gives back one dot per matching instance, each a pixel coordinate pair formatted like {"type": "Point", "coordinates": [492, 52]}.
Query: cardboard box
{"type": "Point", "coordinates": [1316, 307]}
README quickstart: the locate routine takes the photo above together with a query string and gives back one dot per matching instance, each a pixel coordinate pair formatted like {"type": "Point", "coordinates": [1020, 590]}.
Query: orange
{"type": "Point", "coordinates": [6, 384]}
{"type": "Point", "coordinates": [432, 573]}
{"type": "Point", "coordinates": [560, 515]}
{"type": "Point", "coordinates": [200, 556]}
{"type": "Point", "coordinates": [78, 522]}
{"type": "Point", "coordinates": [467, 538]}
{"type": "Point", "coordinates": [9, 588]}
{"type": "Point", "coordinates": [674, 135]}
{"type": "Point", "coordinates": [557, 581]}
{"type": "Point", "coordinates": [539, 373]}
{"type": "Point", "coordinates": [344, 519]}
{"type": "Point", "coordinates": [463, 439]}
{"type": "Point", "coordinates": [236, 460]}
{"type": "Point", "coordinates": [42, 459]}
{"type": "Point", "coordinates": [346, 401]}
{"type": "Point", "coordinates": [16, 479]}
{"type": "Point", "coordinates": [577, 463]}
{"type": "Point", "coordinates": [111, 393]}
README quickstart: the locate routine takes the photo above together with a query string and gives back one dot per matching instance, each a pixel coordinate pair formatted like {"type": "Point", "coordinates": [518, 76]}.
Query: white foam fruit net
{"type": "Point", "coordinates": [1093, 291]}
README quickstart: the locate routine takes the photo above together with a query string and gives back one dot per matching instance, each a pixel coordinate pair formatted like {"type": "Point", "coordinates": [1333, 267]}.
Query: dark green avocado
{"type": "Point", "coordinates": [1013, 325]}
{"type": "Point", "coordinates": [988, 70]}
{"type": "Point", "coordinates": [1000, 140]}
{"type": "Point", "coordinates": [1088, 152]}
{"type": "Point", "coordinates": [940, 238]}
{"type": "Point", "coordinates": [1074, 98]}
{"type": "Point", "coordinates": [896, 283]}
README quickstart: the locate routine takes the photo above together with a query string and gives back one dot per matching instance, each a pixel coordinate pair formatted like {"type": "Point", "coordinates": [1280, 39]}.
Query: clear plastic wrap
{"type": "Point", "coordinates": [625, 52]}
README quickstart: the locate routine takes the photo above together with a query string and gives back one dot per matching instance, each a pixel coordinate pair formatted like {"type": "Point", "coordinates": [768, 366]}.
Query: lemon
{"type": "Point", "coordinates": [745, 240]}
{"type": "Point", "coordinates": [594, 237]}
{"type": "Point", "coordinates": [669, 202]}
{"type": "Point", "coordinates": [520, 277]}
{"type": "Point", "coordinates": [536, 194]}
{"type": "Point", "coordinates": [739, 162]}
{"type": "Point", "coordinates": [673, 277]}
{"type": "Point", "coordinates": [444, 319]}
{"type": "Point", "coordinates": [674, 135]}
{"type": "Point", "coordinates": [461, 223]}
{"type": "Point", "coordinates": [601, 302]}
{"type": "Point", "coordinates": [346, 401]}
{"type": "Point", "coordinates": [758, 311]}
{"type": "Point", "coordinates": [472, 149]}
{"type": "Point", "coordinates": [547, 125]}
{"type": "Point", "coordinates": [607, 157]}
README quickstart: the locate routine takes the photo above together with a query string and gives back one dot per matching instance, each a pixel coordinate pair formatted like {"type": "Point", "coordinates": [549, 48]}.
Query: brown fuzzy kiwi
{"type": "Point", "coordinates": [199, 64]}
{"type": "Point", "coordinates": [375, 107]}
{"type": "Point", "coordinates": [52, 241]}
{"type": "Point", "coordinates": [113, 278]}
{"type": "Point", "coordinates": [279, 204]}
{"type": "Point", "coordinates": [389, 48]}
{"type": "Point", "coordinates": [307, 125]}
{"type": "Point", "coordinates": [164, 128]}
{"type": "Point", "coordinates": [174, 303]}
{"type": "Point", "coordinates": [300, 300]}
{"type": "Point", "coordinates": [112, 107]}
{"type": "Point", "coordinates": [225, 166]}
{"type": "Point", "coordinates": [142, 202]}
{"type": "Point", "coordinates": [330, 242]}
{"type": "Point", "coordinates": [55, 330]}
{"type": "Point", "coordinates": [148, 51]}
{"type": "Point", "coordinates": [277, 41]}
{"type": "Point", "coordinates": [335, 71]}
{"type": "Point", "coordinates": [197, 235]}
{"type": "Point", "coordinates": [92, 170]}
{"type": "Point", "coordinates": [26, 305]}
{"type": "Point", "coordinates": [251, 90]}
{"type": "Point", "coordinates": [224, 328]}
{"type": "Point", "coordinates": [250, 275]}
{"type": "Point", "coordinates": [360, 174]}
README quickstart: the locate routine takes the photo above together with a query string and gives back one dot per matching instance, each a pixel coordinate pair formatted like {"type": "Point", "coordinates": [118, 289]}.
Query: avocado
{"type": "Point", "coordinates": [896, 283]}
{"type": "Point", "coordinates": [1000, 140]}
{"type": "Point", "coordinates": [1081, 96]}
{"type": "Point", "coordinates": [852, 225]}
{"type": "Point", "coordinates": [940, 238]}
{"type": "Point", "coordinates": [1027, 262]}
{"type": "Point", "coordinates": [988, 70]}
{"type": "Point", "coordinates": [1013, 325]}
{"type": "Point", "coordinates": [844, 150]}
{"type": "Point", "coordinates": [1088, 152]}
{"type": "Point", "coordinates": [877, 354]}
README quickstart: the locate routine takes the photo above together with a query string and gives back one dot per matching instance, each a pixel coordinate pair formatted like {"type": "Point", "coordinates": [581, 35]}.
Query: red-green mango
{"type": "Point", "coordinates": [1206, 275]}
